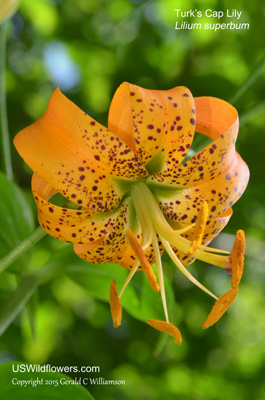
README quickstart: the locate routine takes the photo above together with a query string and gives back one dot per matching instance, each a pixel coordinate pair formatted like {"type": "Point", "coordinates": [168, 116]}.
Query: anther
{"type": "Point", "coordinates": [237, 258]}
{"type": "Point", "coordinates": [143, 260]}
{"type": "Point", "coordinates": [115, 305]}
{"type": "Point", "coordinates": [166, 327]}
{"type": "Point", "coordinates": [220, 307]}
{"type": "Point", "coordinates": [199, 229]}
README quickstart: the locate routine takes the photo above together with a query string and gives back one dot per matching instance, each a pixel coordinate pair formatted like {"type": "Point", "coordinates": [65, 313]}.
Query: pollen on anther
{"type": "Point", "coordinates": [115, 305]}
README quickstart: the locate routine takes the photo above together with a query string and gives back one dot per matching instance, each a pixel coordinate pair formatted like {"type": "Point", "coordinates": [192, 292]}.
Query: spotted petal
{"type": "Point", "coordinates": [213, 227]}
{"type": "Point", "coordinates": [79, 157]}
{"type": "Point", "coordinates": [75, 226]}
{"type": "Point", "coordinates": [218, 120]}
{"type": "Point", "coordinates": [158, 125]}
{"type": "Point", "coordinates": [114, 245]}
{"type": "Point", "coordinates": [220, 193]}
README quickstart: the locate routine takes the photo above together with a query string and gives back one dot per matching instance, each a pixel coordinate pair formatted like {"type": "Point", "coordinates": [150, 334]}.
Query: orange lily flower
{"type": "Point", "coordinates": [137, 191]}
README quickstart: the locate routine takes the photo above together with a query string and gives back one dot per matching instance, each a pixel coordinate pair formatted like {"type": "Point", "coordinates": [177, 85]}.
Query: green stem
{"type": "Point", "coordinates": [21, 248]}
{"type": "Point", "coordinates": [6, 153]}
{"type": "Point", "coordinates": [249, 82]}
{"type": "Point", "coordinates": [18, 301]}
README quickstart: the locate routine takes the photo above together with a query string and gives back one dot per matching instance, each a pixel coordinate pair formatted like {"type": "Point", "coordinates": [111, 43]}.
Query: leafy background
{"type": "Point", "coordinates": [88, 48]}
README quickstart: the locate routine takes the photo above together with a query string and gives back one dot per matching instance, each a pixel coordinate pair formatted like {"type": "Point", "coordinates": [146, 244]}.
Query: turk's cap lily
{"type": "Point", "coordinates": [8, 8]}
{"type": "Point", "coordinates": [135, 188]}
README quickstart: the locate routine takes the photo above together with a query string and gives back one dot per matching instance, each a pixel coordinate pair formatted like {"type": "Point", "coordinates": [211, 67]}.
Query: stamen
{"type": "Point", "coordinates": [163, 228]}
{"type": "Point", "coordinates": [237, 258]}
{"type": "Point", "coordinates": [166, 327]}
{"type": "Point", "coordinates": [129, 277]}
{"type": "Point", "coordinates": [160, 275]}
{"type": "Point", "coordinates": [199, 229]}
{"type": "Point", "coordinates": [143, 215]}
{"type": "Point", "coordinates": [220, 307]}
{"type": "Point", "coordinates": [181, 267]}
{"type": "Point", "coordinates": [143, 260]}
{"type": "Point", "coordinates": [115, 305]}
{"type": "Point", "coordinates": [213, 250]}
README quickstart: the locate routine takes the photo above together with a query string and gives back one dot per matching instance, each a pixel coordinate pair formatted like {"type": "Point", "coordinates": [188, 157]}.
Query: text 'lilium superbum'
{"type": "Point", "coordinates": [137, 191]}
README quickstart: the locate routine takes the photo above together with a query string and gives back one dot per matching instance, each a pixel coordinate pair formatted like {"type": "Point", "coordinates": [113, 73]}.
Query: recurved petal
{"type": "Point", "coordinates": [114, 245]}
{"type": "Point", "coordinates": [212, 228]}
{"type": "Point", "coordinates": [157, 125]}
{"type": "Point", "coordinates": [78, 156]}
{"type": "Point", "coordinates": [218, 120]}
{"type": "Point", "coordinates": [220, 193]}
{"type": "Point", "coordinates": [69, 225]}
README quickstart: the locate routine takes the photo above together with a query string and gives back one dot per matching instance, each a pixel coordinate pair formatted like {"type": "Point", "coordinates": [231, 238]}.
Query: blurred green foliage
{"type": "Point", "coordinates": [88, 48]}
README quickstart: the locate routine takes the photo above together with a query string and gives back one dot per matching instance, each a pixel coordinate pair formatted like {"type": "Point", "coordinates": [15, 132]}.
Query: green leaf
{"type": "Point", "coordinates": [138, 299]}
{"type": "Point", "coordinates": [15, 215]}
{"type": "Point", "coordinates": [46, 384]}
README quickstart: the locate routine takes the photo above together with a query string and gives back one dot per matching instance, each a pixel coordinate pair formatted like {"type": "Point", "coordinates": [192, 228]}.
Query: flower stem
{"type": "Point", "coordinates": [21, 248]}
{"type": "Point", "coordinates": [17, 302]}
{"type": "Point", "coordinates": [6, 154]}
